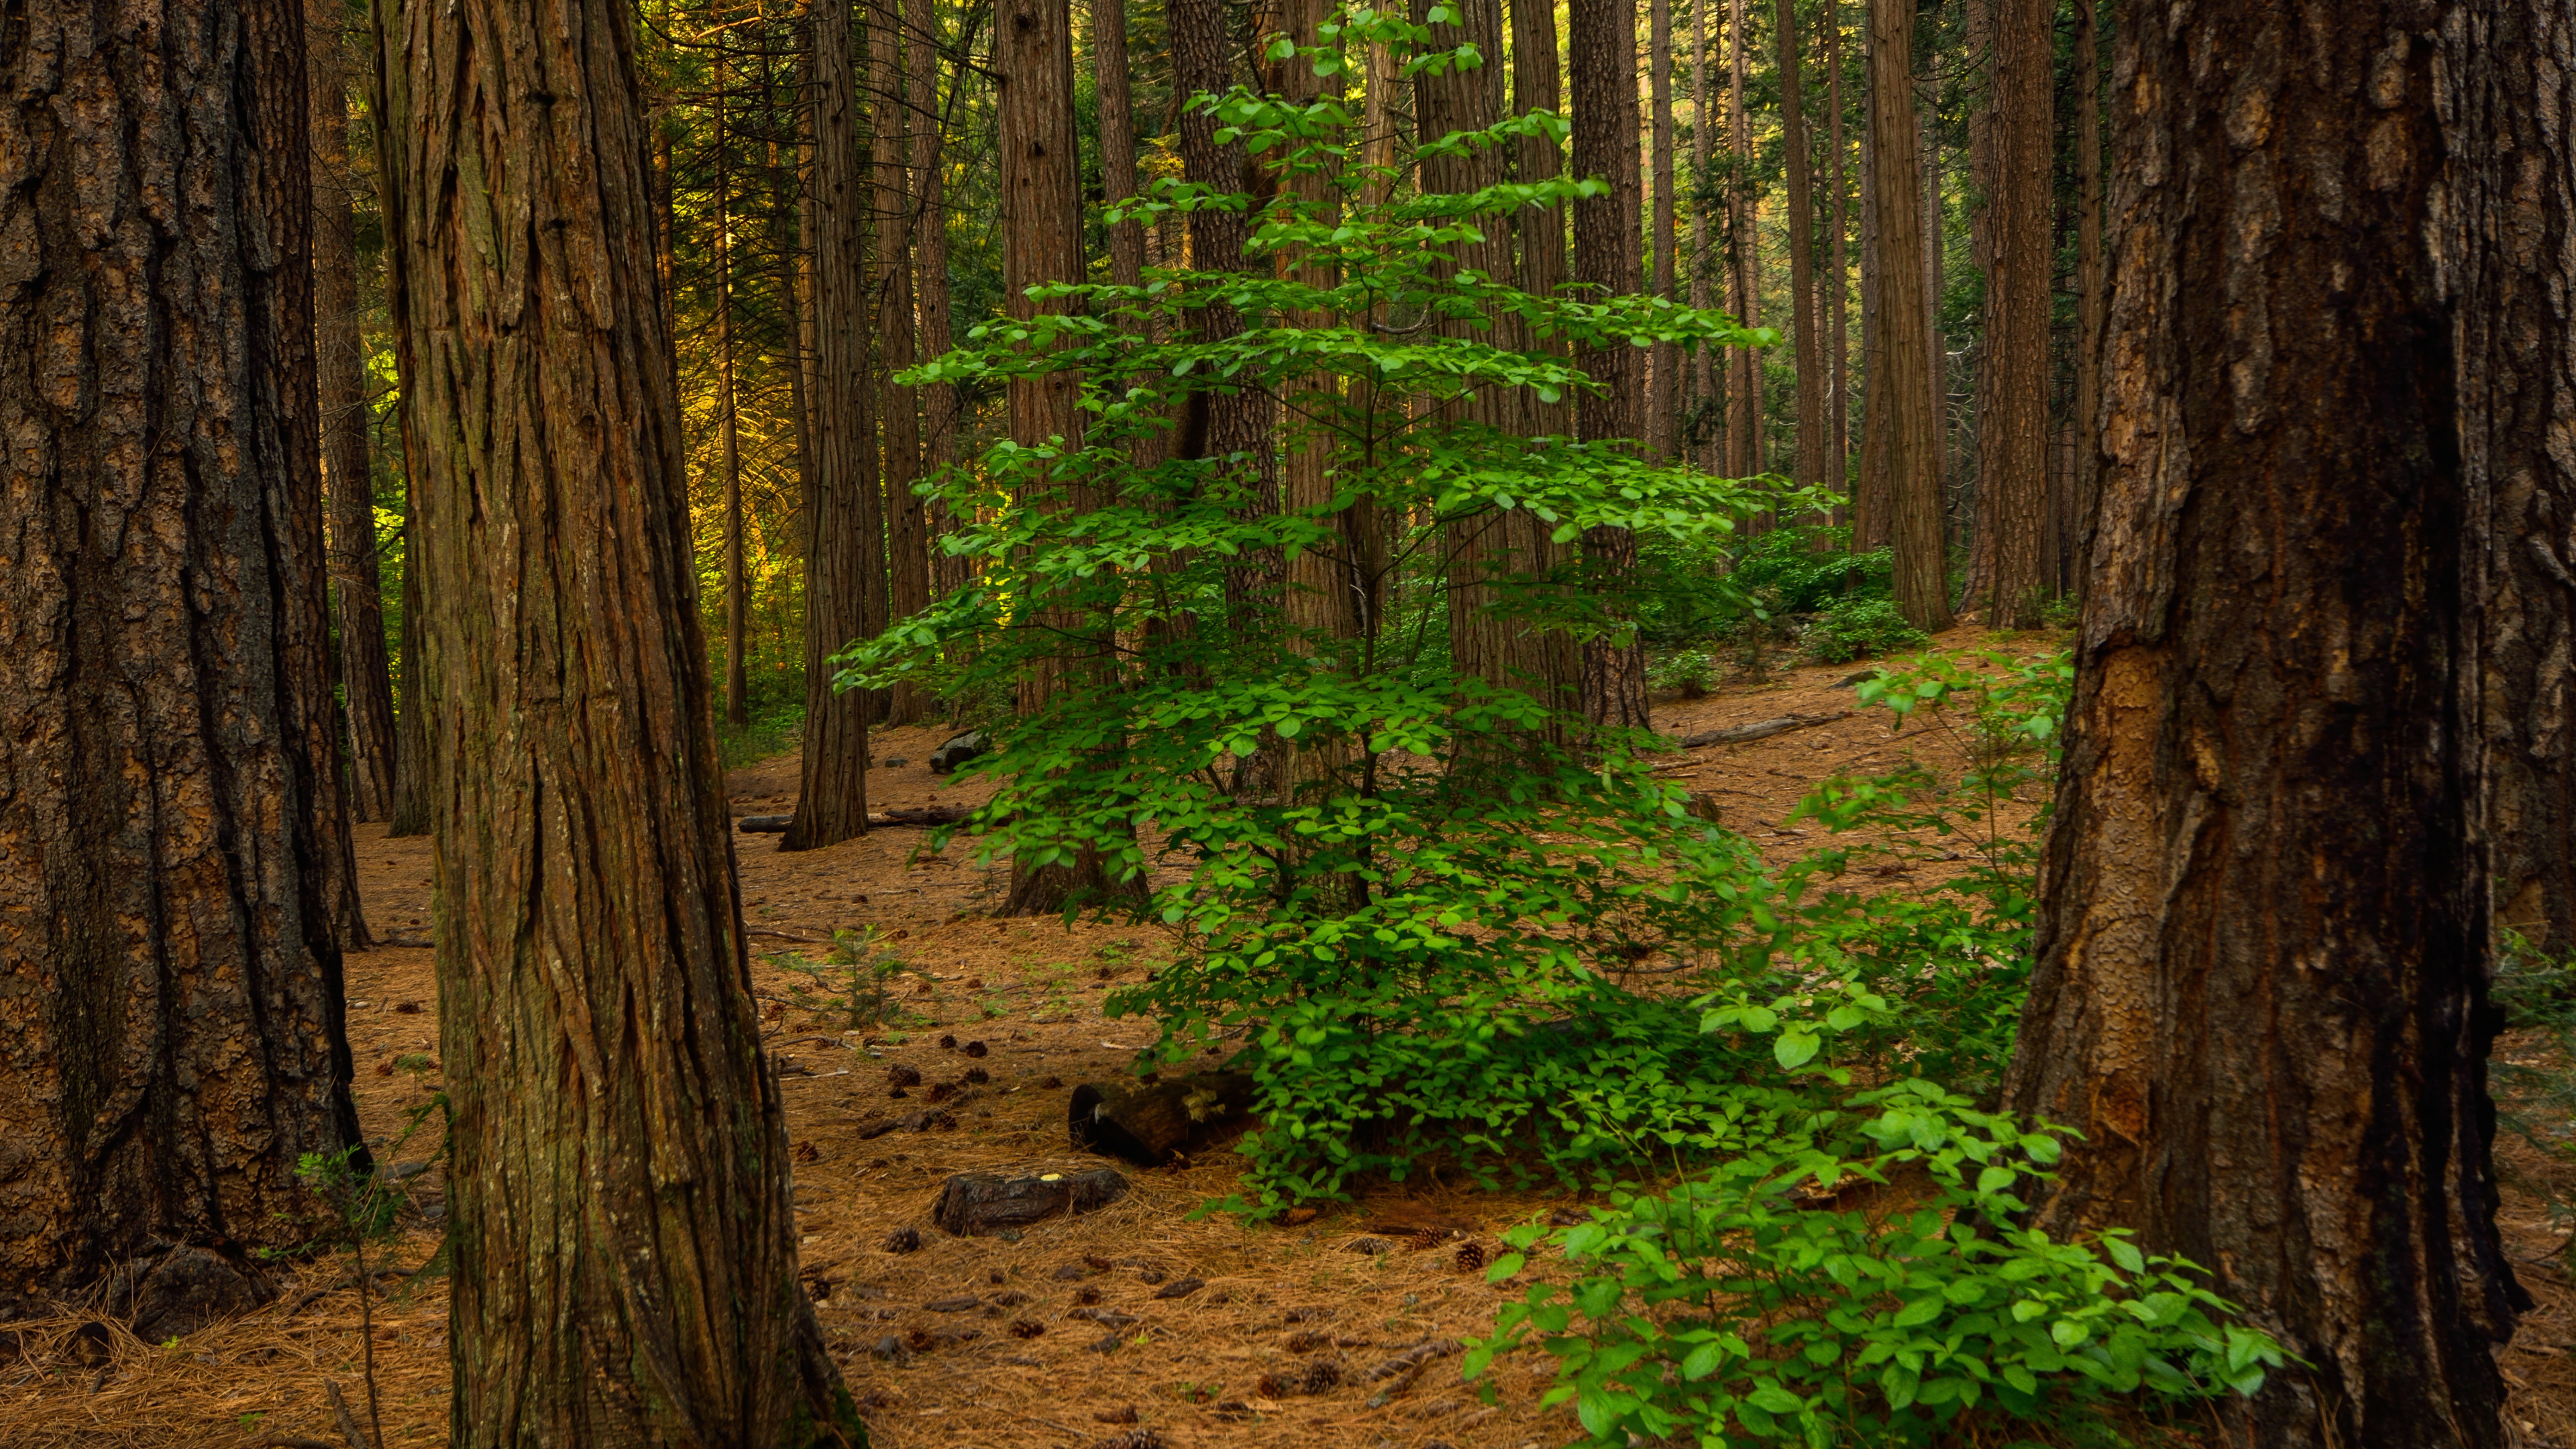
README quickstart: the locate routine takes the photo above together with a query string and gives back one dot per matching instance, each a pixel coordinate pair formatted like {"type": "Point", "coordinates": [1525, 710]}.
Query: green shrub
{"type": "Point", "coordinates": [1742, 1308]}
{"type": "Point", "coordinates": [1858, 626]}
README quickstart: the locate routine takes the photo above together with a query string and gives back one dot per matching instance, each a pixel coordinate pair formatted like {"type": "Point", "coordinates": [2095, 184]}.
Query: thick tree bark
{"type": "Point", "coordinates": [1837, 322]}
{"type": "Point", "coordinates": [1810, 464]}
{"type": "Point", "coordinates": [1602, 36]}
{"type": "Point", "coordinates": [1663, 362]}
{"type": "Point", "coordinates": [930, 279]}
{"type": "Point", "coordinates": [624, 1247]}
{"type": "Point", "coordinates": [1546, 664]}
{"type": "Point", "coordinates": [1042, 243]}
{"type": "Point", "coordinates": [832, 785]}
{"type": "Point", "coordinates": [1117, 136]}
{"type": "Point", "coordinates": [1904, 351]}
{"type": "Point", "coordinates": [2012, 420]}
{"type": "Point", "coordinates": [340, 368]}
{"type": "Point", "coordinates": [2514, 231]}
{"type": "Point", "coordinates": [2262, 958]}
{"type": "Point", "coordinates": [907, 526]}
{"type": "Point", "coordinates": [172, 854]}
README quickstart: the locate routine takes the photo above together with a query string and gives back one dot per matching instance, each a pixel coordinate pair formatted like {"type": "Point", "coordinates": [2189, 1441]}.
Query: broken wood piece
{"type": "Point", "coordinates": [1148, 1123]}
{"type": "Point", "coordinates": [764, 824]}
{"type": "Point", "coordinates": [1760, 729]}
{"type": "Point", "coordinates": [972, 1204]}
{"type": "Point", "coordinates": [909, 816]}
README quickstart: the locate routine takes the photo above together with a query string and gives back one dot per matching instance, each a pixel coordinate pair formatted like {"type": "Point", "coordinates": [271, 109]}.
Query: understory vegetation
{"type": "Point", "coordinates": [1458, 930]}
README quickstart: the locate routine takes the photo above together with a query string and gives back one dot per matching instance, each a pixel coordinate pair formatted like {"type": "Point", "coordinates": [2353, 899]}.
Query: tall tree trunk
{"type": "Point", "coordinates": [2012, 418]}
{"type": "Point", "coordinates": [1744, 423]}
{"type": "Point", "coordinates": [737, 684]}
{"type": "Point", "coordinates": [2513, 227]}
{"type": "Point", "coordinates": [1706, 250]}
{"type": "Point", "coordinates": [1904, 354]}
{"type": "Point", "coordinates": [1546, 664]}
{"type": "Point", "coordinates": [1485, 642]}
{"type": "Point", "coordinates": [1235, 426]}
{"type": "Point", "coordinates": [832, 784]}
{"type": "Point", "coordinates": [1837, 293]}
{"type": "Point", "coordinates": [907, 526]}
{"type": "Point", "coordinates": [1042, 243]}
{"type": "Point", "coordinates": [1873, 499]}
{"type": "Point", "coordinates": [2092, 289]}
{"type": "Point", "coordinates": [340, 368]}
{"type": "Point", "coordinates": [2261, 990]}
{"type": "Point", "coordinates": [939, 404]}
{"type": "Point", "coordinates": [624, 1245]}
{"type": "Point", "coordinates": [173, 857]}
{"type": "Point", "coordinates": [1117, 137]}
{"type": "Point", "coordinates": [1663, 362]}
{"type": "Point", "coordinates": [411, 725]}
{"type": "Point", "coordinates": [1802, 249]}
{"type": "Point", "coordinates": [1602, 35]}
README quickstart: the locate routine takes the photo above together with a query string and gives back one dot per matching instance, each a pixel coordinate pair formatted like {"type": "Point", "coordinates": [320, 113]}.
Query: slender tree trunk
{"type": "Point", "coordinates": [1706, 251]}
{"type": "Point", "coordinates": [1837, 293]}
{"type": "Point", "coordinates": [1873, 501]}
{"type": "Point", "coordinates": [2093, 292]}
{"type": "Point", "coordinates": [173, 855]}
{"type": "Point", "coordinates": [1546, 664]}
{"type": "Point", "coordinates": [340, 365]}
{"type": "Point", "coordinates": [832, 786]}
{"type": "Point", "coordinates": [2012, 418]}
{"type": "Point", "coordinates": [737, 684]}
{"type": "Point", "coordinates": [624, 1245]}
{"type": "Point", "coordinates": [1042, 243]}
{"type": "Point", "coordinates": [1802, 250]}
{"type": "Point", "coordinates": [1663, 386]}
{"type": "Point", "coordinates": [1744, 452]}
{"type": "Point", "coordinates": [2512, 72]}
{"type": "Point", "coordinates": [907, 526]}
{"type": "Point", "coordinates": [1117, 137]}
{"type": "Point", "coordinates": [2261, 990]}
{"type": "Point", "coordinates": [1602, 36]}
{"type": "Point", "coordinates": [1913, 432]}
{"type": "Point", "coordinates": [939, 404]}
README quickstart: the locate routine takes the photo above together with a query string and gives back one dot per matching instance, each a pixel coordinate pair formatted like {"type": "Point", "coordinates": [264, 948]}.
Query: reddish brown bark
{"type": "Point", "coordinates": [174, 865]}
{"type": "Point", "coordinates": [930, 279]}
{"type": "Point", "coordinates": [1901, 363]}
{"type": "Point", "coordinates": [623, 1242]}
{"type": "Point", "coordinates": [906, 525]}
{"type": "Point", "coordinates": [2012, 422]}
{"type": "Point", "coordinates": [1602, 36]}
{"type": "Point", "coordinates": [832, 788]}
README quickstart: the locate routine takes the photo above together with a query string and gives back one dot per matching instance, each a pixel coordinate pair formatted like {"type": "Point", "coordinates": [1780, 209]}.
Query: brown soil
{"type": "Point", "coordinates": [1190, 1368]}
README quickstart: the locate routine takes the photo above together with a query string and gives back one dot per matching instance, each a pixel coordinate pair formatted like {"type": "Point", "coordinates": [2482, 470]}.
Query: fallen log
{"type": "Point", "coordinates": [972, 1204]}
{"type": "Point", "coordinates": [911, 817]}
{"type": "Point", "coordinates": [1760, 729]}
{"type": "Point", "coordinates": [1148, 1123]}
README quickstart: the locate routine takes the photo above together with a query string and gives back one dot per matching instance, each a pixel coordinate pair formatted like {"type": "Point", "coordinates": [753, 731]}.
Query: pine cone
{"type": "Point", "coordinates": [1471, 1257]}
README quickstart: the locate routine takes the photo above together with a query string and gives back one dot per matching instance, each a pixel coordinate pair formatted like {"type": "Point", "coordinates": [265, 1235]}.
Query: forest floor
{"type": "Point", "coordinates": [1217, 1365]}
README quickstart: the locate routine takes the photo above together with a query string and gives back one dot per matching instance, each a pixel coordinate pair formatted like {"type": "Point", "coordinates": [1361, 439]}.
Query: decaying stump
{"type": "Point", "coordinates": [972, 1204]}
{"type": "Point", "coordinates": [1148, 1122]}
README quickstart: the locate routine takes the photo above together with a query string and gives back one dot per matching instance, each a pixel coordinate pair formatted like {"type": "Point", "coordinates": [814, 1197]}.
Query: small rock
{"type": "Point", "coordinates": [888, 1347]}
{"type": "Point", "coordinates": [957, 750]}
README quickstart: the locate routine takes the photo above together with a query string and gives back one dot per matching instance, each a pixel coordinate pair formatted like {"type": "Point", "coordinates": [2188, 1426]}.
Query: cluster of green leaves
{"type": "Point", "coordinates": [1420, 895]}
{"type": "Point", "coordinates": [852, 986]}
{"type": "Point", "coordinates": [1794, 587]}
{"type": "Point", "coordinates": [1748, 1307]}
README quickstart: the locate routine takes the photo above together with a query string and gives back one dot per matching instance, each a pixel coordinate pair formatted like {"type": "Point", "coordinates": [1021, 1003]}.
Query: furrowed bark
{"type": "Point", "coordinates": [2261, 988]}
{"type": "Point", "coordinates": [1602, 36]}
{"type": "Point", "coordinates": [1903, 350]}
{"type": "Point", "coordinates": [624, 1248]}
{"type": "Point", "coordinates": [174, 861]}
